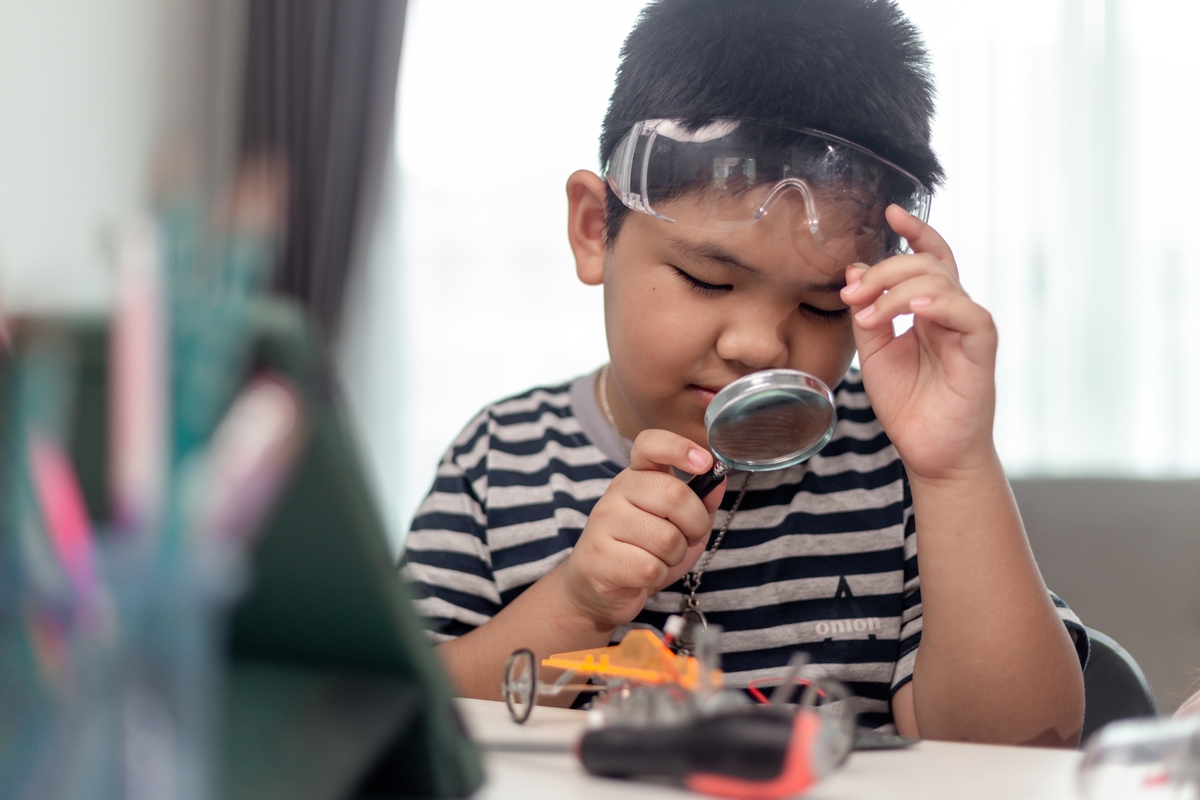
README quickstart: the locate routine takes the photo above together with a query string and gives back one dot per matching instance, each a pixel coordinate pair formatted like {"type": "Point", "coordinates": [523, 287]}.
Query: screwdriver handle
{"type": "Point", "coordinates": [759, 755]}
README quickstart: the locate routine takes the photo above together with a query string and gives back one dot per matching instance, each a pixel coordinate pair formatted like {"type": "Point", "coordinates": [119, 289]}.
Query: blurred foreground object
{"type": "Point", "coordinates": [143, 462]}
{"type": "Point", "coordinates": [1143, 759]}
{"type": "Point", "coordinates": [662, 715]}
{"type": "Point", "coordinates": [761, 752]}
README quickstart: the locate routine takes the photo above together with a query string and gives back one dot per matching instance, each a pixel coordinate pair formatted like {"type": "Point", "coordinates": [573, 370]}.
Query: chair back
{"type": "Point", "coordinates": [1114, 685]}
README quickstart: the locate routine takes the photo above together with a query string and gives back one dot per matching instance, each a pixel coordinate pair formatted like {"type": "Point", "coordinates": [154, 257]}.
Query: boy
{"type": "Point", "coordinates": [734, 234]}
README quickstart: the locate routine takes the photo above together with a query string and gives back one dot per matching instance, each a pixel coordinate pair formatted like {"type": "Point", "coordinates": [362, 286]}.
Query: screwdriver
{"type": "Point", "coordinates": [756, 753]}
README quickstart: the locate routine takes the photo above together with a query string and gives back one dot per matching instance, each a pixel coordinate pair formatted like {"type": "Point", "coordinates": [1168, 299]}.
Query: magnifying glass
{"type": "Point", "coordinates": [764, 421]}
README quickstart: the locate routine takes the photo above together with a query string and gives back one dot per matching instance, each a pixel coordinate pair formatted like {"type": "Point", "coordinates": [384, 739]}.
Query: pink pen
{"type": "Point", "coordinates": [249, 458]}
{"type": "Point", "coordinates": [138, 386]}
{"type": "Point", "coordinates": [65, 516]}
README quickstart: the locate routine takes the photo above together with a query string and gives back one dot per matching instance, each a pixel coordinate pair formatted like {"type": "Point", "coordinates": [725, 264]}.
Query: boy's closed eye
{"type": "Point", "coordinates": [823, 314]}
{"type": "Point", "coordinates": [826, 314]}
{"type": "Point", "coordinates": [700, 286]}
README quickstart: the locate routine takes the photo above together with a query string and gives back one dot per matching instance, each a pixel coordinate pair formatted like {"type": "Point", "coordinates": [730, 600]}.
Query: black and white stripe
{"type": "Point", "coordinates": [821, 556]}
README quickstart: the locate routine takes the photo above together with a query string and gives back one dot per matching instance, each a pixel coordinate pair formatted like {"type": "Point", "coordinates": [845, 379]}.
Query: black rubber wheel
{"type": "Point", "coordinates": [520, 685]}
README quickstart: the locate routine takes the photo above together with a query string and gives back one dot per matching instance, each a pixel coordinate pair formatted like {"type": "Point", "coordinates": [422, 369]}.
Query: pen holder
{"type": "Point", "coordinates": [127, 705]}
{"type": "Point", "coordinates": [331, 681]}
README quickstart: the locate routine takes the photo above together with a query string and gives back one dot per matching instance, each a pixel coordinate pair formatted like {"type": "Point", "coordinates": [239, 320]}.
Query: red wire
{"type": "Point", "coordinates": [757, 694]}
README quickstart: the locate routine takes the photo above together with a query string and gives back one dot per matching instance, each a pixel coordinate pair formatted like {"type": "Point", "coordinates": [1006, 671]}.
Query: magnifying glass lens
{"type": "Point", "coordinates": [770, 426]}
{"type": "Point", "coordinates": [764, 421]}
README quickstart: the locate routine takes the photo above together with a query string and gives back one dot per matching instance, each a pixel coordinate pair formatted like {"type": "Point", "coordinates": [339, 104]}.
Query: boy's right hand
{"type": "Point", "coordinates": [644, 534]}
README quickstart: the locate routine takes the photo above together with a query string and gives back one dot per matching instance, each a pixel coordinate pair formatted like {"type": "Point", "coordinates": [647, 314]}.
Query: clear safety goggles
{"type": "Point", "coordinates": [729, 174]}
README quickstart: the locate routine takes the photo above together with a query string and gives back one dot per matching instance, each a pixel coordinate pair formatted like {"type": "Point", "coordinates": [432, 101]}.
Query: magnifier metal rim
{"type": "Point", "coordinates": [790, 380]}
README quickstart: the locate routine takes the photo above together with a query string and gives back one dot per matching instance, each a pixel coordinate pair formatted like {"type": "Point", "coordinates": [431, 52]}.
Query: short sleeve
{"type": "Point", "coordinates": [910, 614]}
{"type": "Point", "coordinates": [1079, 635]}
{"type": "Point", "coordinates": [446, 559]}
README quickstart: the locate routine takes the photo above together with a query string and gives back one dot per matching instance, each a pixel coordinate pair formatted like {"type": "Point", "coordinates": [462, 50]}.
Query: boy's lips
{"type": "Point", "coordinates": [705, 394]}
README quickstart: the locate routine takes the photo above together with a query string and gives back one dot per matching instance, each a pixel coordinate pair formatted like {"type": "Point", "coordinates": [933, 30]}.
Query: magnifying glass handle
{"type": "Point", "coordinates": [703, 484]}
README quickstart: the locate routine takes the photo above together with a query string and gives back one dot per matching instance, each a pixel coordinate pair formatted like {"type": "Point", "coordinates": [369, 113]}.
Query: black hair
{"type": "Point", "coordinates": [854, 68]}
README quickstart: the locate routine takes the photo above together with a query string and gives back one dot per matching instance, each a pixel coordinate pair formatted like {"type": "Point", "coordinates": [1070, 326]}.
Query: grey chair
{"type": "Point", "coordinates": [1114, 686]}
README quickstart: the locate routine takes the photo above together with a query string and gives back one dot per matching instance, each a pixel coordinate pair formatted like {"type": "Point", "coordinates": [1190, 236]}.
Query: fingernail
{"type": "Point", "coordinates": [851, 288]}
{"type": "Point", "coordinates": [698, 457]}
{"type": "Point", "coordinates": [920, 302]}
{"type": "Point", "coordinates": [866, 313]}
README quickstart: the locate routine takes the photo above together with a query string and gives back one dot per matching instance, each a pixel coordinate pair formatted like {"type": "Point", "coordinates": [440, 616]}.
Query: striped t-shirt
{"type": "Point", "coordinates": [821, 556]}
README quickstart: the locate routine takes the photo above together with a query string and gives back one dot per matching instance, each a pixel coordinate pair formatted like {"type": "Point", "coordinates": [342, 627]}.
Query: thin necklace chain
{"type": "Point", "coordinates": [691, 581]}
{"type": "Point", "coordinates": [612, 422]}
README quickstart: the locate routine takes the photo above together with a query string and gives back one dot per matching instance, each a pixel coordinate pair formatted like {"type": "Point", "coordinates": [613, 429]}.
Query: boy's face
{"type": "Point", "coordinates": [689, 311]}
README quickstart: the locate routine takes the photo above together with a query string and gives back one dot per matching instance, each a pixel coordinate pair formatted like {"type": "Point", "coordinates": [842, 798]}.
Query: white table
{"type": "Point", "coordinates": [926, 771]}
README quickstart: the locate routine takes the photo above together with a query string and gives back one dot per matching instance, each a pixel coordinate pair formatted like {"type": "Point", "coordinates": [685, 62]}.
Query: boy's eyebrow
{"type": "Point", "coordinates": [707, 251]}
{"type": "Point", "coordinates": [832, 286]}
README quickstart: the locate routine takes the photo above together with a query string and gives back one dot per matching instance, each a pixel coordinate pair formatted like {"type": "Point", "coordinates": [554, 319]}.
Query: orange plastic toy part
{"type": "Point", "coordinates": [641, 656]}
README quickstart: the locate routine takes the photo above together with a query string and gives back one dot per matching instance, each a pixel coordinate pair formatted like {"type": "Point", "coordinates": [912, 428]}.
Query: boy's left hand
{"type": "Point", "coordinates": [933, 388]}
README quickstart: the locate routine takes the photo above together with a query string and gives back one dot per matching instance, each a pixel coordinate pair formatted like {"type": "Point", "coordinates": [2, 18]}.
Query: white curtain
{"type": "Point", "coordinates": [1069, 134]}
{"type": "Point", "coordinates": [1068, 129]}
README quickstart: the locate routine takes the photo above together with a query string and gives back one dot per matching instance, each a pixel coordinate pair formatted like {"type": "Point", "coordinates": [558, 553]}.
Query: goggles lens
{"type": "Point", "coordinates": [730, 174]}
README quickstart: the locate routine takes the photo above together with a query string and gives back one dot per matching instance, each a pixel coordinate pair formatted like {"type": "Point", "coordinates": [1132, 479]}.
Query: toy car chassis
{"type": "Point", "coordinates": [641, 658]}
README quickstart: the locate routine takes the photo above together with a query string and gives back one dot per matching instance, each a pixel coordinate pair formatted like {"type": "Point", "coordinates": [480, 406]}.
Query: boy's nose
{"type": "Point", "coordinates": [756, 341]}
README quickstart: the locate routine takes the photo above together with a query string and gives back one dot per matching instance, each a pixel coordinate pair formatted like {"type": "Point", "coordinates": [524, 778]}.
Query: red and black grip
{"type": "Point", "coordinates": [760, 753]}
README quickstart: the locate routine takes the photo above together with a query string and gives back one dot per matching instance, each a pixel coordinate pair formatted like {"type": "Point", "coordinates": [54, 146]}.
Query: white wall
{"type": "Point", "coordinates": [90, 93]}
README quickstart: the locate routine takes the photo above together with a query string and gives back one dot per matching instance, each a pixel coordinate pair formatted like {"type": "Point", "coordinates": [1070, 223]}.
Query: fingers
{"type": "Point", "coordinates": [961, 314]}
{"type": "Point", "coordinates": [864, 285]}
{"type": "Point", "coordinates": [641, 533]}
{"type": "Point", "coordinates": [899, 300]}
{"type": "Point", "coordinates": [661, 450]}
{"type": "Point", "coordinates": [660, 497]}
{"type": "Point", "coordinates": [879, 294]}
{"type": "Point", "coordinates": [868, 339]}
{"type": "Point", "coordinates": [930, 298]}
{"type": "Point", "coordinates": [645, 532]}
{"type": "Point", "coordinates": [938, 300]}
{"type": "Point", "coordinates": [922, 238]}
{"type": "Point", "coordinates": [644, 560]}
{"type": "Point", "coordinates": [649, 522]}
{"type": "Point", "coordinates": [925, 284]}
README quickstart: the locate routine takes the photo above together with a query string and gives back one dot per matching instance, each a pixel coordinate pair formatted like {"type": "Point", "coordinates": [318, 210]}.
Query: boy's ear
{"type": "Point", "coordinates": [586, 198]}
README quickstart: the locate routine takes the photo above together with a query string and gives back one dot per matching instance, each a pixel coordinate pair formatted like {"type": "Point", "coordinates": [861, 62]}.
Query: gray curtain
{"type": "Point", "coordinates": [320, 91]}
